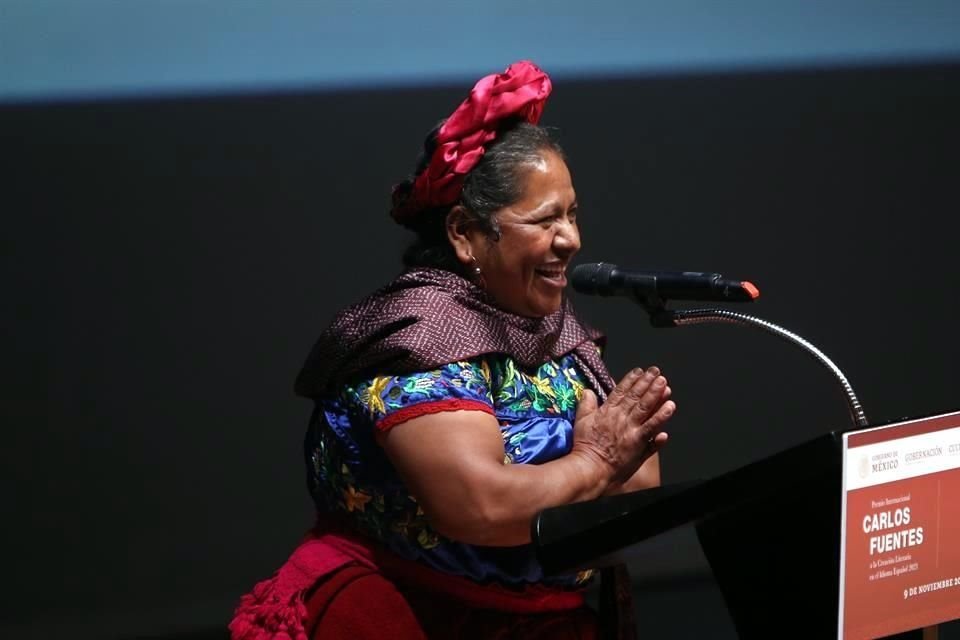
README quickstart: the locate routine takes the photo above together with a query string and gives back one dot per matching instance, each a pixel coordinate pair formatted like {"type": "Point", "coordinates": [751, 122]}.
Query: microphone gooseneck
{"type": "Point", "coordinates": [652, 290]}
{"type": "Point", "coordinates": [681, 317]}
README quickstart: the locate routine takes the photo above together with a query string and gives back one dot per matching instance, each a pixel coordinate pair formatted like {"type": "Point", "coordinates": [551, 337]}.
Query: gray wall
{"type": "Point", "coordinates": [169, 262]}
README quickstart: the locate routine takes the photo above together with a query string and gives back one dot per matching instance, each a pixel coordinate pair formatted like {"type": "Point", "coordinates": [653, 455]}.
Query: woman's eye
{"type": "Point", "coordinates": [556, 217]}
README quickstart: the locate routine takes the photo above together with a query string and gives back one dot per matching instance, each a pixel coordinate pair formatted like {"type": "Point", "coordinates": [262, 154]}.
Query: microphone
{"type": "Point", "coordinates": [605, 279]}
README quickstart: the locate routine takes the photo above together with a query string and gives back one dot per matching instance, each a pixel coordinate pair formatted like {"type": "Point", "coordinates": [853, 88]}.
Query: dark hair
{"type": "Point", "coordinates": [490, 186]}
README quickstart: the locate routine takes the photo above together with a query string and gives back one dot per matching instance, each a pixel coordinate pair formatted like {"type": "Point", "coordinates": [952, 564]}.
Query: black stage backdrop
{"type": "Point", "coordinates": [169, 262]}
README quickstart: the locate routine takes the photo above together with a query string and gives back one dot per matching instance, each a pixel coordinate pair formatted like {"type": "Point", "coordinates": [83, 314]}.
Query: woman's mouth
{"type": "Point", "coordinates": [555, 275]}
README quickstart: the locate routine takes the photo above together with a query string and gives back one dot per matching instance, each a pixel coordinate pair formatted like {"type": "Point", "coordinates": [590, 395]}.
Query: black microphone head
{"type": "Point", "coordinates": [593, 279]}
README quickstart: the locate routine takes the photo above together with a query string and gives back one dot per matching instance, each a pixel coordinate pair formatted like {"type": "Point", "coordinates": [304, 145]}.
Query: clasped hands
{"type": "Point", "coordinates": [627, 429]}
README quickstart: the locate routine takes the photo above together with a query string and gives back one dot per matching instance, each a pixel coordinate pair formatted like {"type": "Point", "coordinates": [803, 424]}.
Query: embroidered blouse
{"type": "Point", "coordinates": [350, 475]}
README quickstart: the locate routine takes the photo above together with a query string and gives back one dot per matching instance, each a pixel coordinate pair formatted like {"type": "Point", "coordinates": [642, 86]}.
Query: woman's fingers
{"type": "Point", "coordinates": [657, 443]}
{"type": "Point", "coordinates": [651, 429]}
{"type": "Point", "coordinates": [639, 394]}
{"type": "Point", "coordinates": [618, 395]}
{"type": "Point", "coordinates": [650, 400]}
{"type": "Point", "coordinates": [645, 395]}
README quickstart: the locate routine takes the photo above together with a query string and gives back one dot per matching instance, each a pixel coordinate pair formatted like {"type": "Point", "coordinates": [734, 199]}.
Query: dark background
{"type": "Point", "coordinates": [168, 263]}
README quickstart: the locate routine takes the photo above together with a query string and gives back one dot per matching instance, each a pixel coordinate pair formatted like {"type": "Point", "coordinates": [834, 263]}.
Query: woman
{"type": "Point", "coordinates": [460, 400]}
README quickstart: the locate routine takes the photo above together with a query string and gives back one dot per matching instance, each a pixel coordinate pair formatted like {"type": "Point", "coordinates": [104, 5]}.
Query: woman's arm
{"type": "Point", "coordinates": [453, 463]}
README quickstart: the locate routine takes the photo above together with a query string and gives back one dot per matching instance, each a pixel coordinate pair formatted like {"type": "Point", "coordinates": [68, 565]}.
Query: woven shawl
{"type": "Point", "coordinates": [426, 318]}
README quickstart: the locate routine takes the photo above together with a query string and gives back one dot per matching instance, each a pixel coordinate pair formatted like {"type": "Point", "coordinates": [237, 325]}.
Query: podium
{"type": "Point", "coordinates": [851, 534]}
{"type": "Point", "coordinates": [782, 533]}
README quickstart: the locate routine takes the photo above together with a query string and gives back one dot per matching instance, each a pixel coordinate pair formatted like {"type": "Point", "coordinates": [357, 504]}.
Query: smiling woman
{"type": "Point", "coordinates": [524, 270]}
{"type": "Point", "coordinates": [514, 229]}
{"type": "Point", "coordinates": [458, 401]}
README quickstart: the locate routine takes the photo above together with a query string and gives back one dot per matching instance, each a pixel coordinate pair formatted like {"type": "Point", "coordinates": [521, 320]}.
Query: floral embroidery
{"type": "Point", "coordinates": [372, 396]}
{"type": "Point", "coordinates": [355, 499]}
{"type": "Point", "coordinates": [553, 390]}
{"type": "Point", "coordinates": [571, 375]}
{"type": "Point", "coordinates": [485, 371]}
{"type": "Point", "coordinates": [535, 410]}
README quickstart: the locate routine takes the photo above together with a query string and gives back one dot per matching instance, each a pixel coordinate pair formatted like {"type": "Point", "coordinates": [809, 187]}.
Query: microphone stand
{"type": "Point", "coordinates": [615, 578]}
{"type": "Point", "coordinates": [661, 317]}
{"type": "Point", "coordinates": [614, 586]}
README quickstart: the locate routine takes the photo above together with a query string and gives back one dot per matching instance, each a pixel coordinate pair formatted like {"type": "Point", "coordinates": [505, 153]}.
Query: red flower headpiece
{"type": "Point", "coordinates": [519, 92]}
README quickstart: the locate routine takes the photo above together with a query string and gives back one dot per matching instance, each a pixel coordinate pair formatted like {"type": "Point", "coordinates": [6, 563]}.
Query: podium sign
{"type": "Point", "coordinates": [900, 523]}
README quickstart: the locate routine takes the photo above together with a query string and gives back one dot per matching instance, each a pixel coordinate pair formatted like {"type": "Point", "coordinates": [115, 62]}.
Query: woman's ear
{"type": "Point", "coordinates": [461, 233]}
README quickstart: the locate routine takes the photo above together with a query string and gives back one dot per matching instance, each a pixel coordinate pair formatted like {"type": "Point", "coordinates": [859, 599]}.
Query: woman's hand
{"type": "Point", "coordinates": [622, 434]}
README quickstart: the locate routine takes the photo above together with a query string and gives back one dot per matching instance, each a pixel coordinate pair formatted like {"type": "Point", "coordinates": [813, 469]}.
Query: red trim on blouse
{"type": "Point", "coordinates": [425, 408]}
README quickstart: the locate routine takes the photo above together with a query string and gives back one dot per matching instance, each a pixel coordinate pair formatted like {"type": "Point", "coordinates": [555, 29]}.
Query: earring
{"type": "Point", "coordinates": [477, 273]}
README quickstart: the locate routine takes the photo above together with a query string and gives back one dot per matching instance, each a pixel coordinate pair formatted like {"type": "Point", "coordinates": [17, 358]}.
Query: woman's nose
{"type": "Point", "coordinates": [567, 238]}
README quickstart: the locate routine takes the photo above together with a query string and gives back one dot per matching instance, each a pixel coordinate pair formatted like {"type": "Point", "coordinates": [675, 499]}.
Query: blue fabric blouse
{"type": "Point", "coordinates": [350, 475]}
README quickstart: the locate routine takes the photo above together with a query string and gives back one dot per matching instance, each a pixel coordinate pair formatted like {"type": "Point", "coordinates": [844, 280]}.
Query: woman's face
{"type": "Point", "coordinates": [524, 270]}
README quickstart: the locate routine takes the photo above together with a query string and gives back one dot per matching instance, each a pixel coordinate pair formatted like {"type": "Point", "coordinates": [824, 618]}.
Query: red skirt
{"type": "Point", "coordinates": [360, 603]}
{"type": "Point", "coordinates": [335, 585]}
